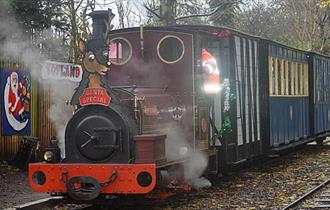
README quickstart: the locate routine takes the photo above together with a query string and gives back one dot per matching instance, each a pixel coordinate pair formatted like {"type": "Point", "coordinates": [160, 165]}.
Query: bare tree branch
{"type": "Point", "coordinates": [151, 11]}
{"type": "Point", "coordinates": [200, 15]}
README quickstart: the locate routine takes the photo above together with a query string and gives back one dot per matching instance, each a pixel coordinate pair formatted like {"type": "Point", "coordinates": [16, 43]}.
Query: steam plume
{"type": "Point", "coordinates": [177, 147]}
{"type": "Point", "coordinates": [17, 46]}
{"type": "Point", "coordinates": [60, 113]}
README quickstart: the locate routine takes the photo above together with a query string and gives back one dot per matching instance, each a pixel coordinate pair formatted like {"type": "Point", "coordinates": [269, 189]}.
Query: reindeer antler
{"type": "Point", "coordinates": [108, 24]}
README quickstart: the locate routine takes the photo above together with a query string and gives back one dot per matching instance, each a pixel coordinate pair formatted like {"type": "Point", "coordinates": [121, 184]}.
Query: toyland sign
{"type": "Point", "coordinates": [61, 71]}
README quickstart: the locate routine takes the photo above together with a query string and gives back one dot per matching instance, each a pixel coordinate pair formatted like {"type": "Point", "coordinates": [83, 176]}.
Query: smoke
{"type": "Point", "coordinates": [138, 69]}
{"type": "Point", "coordinates": [19, 46]}
{"type": "Point", "coordinates": [15, 44]}
{"type": "Point", "coordinates": [177, 148]}
{"type": "Point", "coordinates": [176, 145]}
{"type": "Point", "coordinates": [194, 169]}
{"type": "Point", "coordinates": [60, 112]}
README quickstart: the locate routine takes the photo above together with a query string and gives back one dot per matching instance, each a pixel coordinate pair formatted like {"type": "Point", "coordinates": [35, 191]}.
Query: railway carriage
{"type": "Point", "coordinates": [174, 95]}
{"type": "Point", "coordinates": [319, 65]}
{"type": "Point", "coordinates": [289, 117]}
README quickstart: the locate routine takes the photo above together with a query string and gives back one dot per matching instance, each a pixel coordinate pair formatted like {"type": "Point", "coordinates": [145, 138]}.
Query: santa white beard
{"type": "Point", "coordinates": [14, 88]}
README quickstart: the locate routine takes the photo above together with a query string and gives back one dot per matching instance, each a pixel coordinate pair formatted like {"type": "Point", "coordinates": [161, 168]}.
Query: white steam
{"type": "Point", "coordinates": [16, 45]}
{"type": "Point", "coordinates": [60, 112]}
{"type": "Point", "coordinates": [177, 148]}
{"type": "Point", "coordinates": [194, 169]}
{"type": "Point", "coordinates": [22, 47]}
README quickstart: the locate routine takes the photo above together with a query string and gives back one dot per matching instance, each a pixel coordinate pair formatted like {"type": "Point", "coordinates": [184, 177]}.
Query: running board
{"type": "Point", "coordinates": [293, 144]}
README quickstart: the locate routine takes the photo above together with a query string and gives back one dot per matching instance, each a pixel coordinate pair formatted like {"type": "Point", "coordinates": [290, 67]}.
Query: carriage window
{"type": "Point", "coordinates": [287, 78]}
{"type": "Point", "coordinates": [120, 51]}
{"type": "Point", "coordinates": [170, 49]}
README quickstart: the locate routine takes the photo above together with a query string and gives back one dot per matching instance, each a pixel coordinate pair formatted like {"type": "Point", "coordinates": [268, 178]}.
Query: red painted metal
{"type": "Point", "coordinates": [93, 96]}
{"type": "Point", "coordinates": [163, 194]}
{"type": "Point", "coordinates": [150, 148]}
{"type": "Point", "coordinates": [125, 183]}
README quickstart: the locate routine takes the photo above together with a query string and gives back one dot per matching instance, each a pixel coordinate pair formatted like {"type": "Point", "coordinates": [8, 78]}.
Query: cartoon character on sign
{"type": "Point", "coordinates": [17, 101]}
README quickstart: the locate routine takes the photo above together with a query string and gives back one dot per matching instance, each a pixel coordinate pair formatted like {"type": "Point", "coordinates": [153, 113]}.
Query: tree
{"type": "Point", "coordinates": [76, 12]}
{"type": "Point", "coordinates": [325, 3]}
{"type": "Point", "coordinates": [227, 12]}
{"type": "Point", "coordinates": [262, 18]}
{"type": "Point", "coordinates": [38, 14]}
{"type": "Point", "coordinates": [167, 12]}
{"type": "Point", "coordinates": [38, 25]}
{"type": "Point", "coordinates": [308, 23]}
{"type": "Point", "coordinates": [303, 24]}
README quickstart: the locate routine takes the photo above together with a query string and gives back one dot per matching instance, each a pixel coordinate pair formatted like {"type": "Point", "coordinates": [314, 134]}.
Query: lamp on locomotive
{"type": "Point", "coordinates": [211, 74]}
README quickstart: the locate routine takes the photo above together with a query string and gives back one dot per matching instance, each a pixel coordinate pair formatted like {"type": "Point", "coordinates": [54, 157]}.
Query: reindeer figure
{"type": "Point", "coordinates": [95, 58]}
{"type": "Point", "coordinates": [95, 61]}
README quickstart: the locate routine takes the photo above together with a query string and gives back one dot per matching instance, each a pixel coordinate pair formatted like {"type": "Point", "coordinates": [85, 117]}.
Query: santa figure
{"type": "Point", "coordinates": [211, 73]}
{"type": "Point", "coordinates": [15, 104]}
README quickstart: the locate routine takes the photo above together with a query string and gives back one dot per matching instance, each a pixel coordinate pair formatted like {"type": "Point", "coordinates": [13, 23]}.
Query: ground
{"type": "Point", "coordinates": [268, 185]}
{"type": "Point", "coordinates": [14, 187]}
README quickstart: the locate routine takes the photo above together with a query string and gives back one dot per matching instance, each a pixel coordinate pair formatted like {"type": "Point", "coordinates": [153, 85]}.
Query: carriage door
{"type": "Point", "coordinates": [210, 105]}
{"type": "Point", "coordinates": [246, 76]}
{"type": "Point", "coordinates": [208, 87]}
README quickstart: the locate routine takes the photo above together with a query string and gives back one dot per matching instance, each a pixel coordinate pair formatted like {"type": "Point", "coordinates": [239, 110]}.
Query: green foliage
{"type": "Point", "coordinates": [325, 3]}
{"type": "Point", "coordinates": [39, 14]}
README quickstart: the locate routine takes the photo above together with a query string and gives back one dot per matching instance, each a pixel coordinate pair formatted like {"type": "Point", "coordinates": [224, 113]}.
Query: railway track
{"type": "Point", "coordinates": [62, 203]}
{"type": "Point", "coordinates": [56, 202]}
{"type": "Point", "coordinates": [316, 198]}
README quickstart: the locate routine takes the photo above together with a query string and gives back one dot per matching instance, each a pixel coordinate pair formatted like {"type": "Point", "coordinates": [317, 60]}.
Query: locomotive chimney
{"type": "Point", "coordinates": [101, 23]}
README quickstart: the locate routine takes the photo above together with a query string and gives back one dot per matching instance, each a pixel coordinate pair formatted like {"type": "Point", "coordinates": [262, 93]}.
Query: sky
{"type": "Point", "coordinates": [137, 12]}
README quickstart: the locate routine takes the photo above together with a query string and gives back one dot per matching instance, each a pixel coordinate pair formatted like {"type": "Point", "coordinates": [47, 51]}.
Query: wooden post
{"type": "Point", "coordinates": [292, 78]}
{"type": "Point", "coordinates": [301, 73]}
{"type": "Point", "coordinates": [306, 79]}
{"type": "Point", "coordinates": [282, 76]}
{"type": "Point", "coordinates": [276, 76]}
{"type": "Point", "coordinates": [270, 73]}
{"type": "Point", "coordinates": [286, 68]}
{"type": "Point", "coordinates": [296, 78]}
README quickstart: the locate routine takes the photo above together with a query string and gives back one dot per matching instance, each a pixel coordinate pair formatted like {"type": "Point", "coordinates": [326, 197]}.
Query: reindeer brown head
{"type": "Point", "coordinates": [95, 56]}
{"type": "Point", "coordinates": [95, 51]}
{"type": "Point", "coordinates": [95, 59]}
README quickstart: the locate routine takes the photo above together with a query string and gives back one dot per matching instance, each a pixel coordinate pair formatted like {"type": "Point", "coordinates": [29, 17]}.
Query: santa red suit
{"type": "Point", "coordinates": [15, 104]}
{"type": "Point", "coordinates": [211, 73]}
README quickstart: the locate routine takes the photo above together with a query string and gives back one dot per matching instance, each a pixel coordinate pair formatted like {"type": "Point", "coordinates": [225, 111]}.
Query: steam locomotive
{"type": "Point", "coordinates": [160, 106]}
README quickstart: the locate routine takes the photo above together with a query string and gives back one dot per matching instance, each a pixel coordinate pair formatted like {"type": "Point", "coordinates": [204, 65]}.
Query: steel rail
{"type": "Point", "coordinates": [300, 199]}
{"type": "Point", "coordinates": [38, 204]}
{"type": "Point", "coordinates": [48, 202]}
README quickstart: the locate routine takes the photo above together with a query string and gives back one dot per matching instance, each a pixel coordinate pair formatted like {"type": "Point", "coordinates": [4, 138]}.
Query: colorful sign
{"type": "Point", "coordinates": [59, 71]}
{"type": "Point", "coordinates": [94, 96]}
{"type": "Point", "coordinates": [16, 102]}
